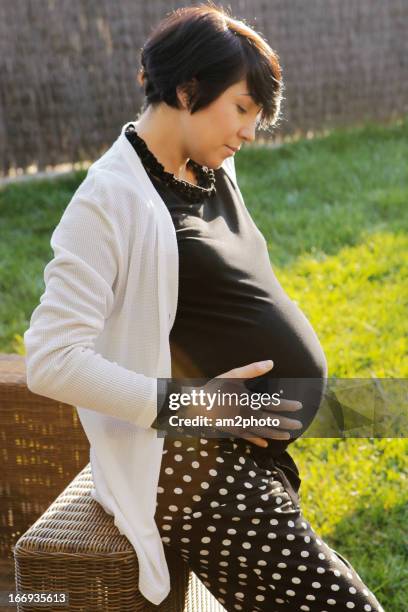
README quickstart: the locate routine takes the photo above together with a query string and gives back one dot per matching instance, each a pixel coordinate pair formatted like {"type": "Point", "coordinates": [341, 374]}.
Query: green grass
{"type": "Point", "coordinates": [334, 213]}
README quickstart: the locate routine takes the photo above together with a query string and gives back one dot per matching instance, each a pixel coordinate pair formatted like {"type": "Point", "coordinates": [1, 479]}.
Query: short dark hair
{"type": "Point", "coordinates": [204, 50]}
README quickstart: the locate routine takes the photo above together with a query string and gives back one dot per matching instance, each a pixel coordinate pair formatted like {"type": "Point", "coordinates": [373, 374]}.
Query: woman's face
{"type": "Point", "coordinates": [227, 122]}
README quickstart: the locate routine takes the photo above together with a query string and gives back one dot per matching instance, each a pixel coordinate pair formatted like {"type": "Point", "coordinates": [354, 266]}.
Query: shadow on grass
{"type": "Point", "coordinates": [373, 539]}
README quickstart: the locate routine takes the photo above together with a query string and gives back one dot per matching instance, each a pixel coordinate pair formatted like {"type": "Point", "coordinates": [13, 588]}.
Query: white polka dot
{"type": "Point", "coordinates": [278, 500]}
{"type": "Point", "coordinates": [280, 600]}
{"type": "Point", "coordinates": [178, 491]}
{"type": "Point", "coordinates": [187, 527]}
{"type": "Point", "coordinates": [367, 607]}
{"type": "Point", "coordinates": [204, 485]}
{"type": "Point", "coordinates": [178, 457]}
{"type": "Point", "coordinates": [336, 573]}
{"type": "Point", "coordinates": [166, 540]}
{"type": "Point", "coordinates": [246, 545]}
{"type": "Point", "coordinates": [205, 540]}
{"type": "Point", "coordinates": [160, 490]}
{"type": "Point", "coordinates": [241, 506]}
{"type": "Point", "coordinates": [261, 562]}
{"type": "Point", "coordinates": [213, 472]}
{"type": "Point", "coordinates": [251, 533]}
{"type": "Point", "coordinates": [266, 548]}
{"type": "Point", "coordinates": [260, 598]}
{"type": "Point", "coordinates": [166, 527]}
{"type": "Point", "coordinates": [320, 570]}
{"type": "Point", "coordinates": [187, 478]}
{"type": "Point", "coordinates": [204, 453]}
{"type": "Point", "coordinates": [290, 536]}
{"type": "Point", "coordinates": [305, 608]}
{"type": "Point", "coordinates": [290, 593]}
{"type": "Point", "coordinates": [316, 585]}
{"type": "Point", "coordinates": [219, 459]}
{"type": "Point", "coordinates": [285, 551]}
{"type": "Point", "coordinates": [225, 553]}
{"type": "Point", "coordinates": [195, 465]}
{"type": "Point", "coordinates": [296, 580]}
{"type": "Point", "coordinates": [239, 595]}
{"type": "Point", "coordinates": [304, 525]}
{"type": "Point", "coordinates": [204, 552]}
{"type": "Point", "coordinates": [240, 496]}
{"type": "Point", "coordinates": [353, 590]}
{"type": "Point", "coordinates": [197, 498]}
{"type": "Point", "coordinates": [229, 478]}
{"type": "Point", "coordinates": [307, 539]}
{"type": "Point", "coordinates": [223, 492]}
{"type": "Point", "coordinates": [169, 470]}
{"type": "Point", "coordinates": [335, 587]}
{"type": "Point", "coordinates": [173, 508]}
{"type": "Point", "coordinates": [282, 565]}
{"type": "Point", "coordinates": [291, 524]}
{"type": "Point", "coordinates": [187, 509]}
{"type": "Point", "coordinates": [304, 553]}
{"type": "Point", "coordinates": [274, 522]}
{"type": "Point", "coordinates": [331, 602]}
{"type": "Point", "coordinates": [276, 576]}
{"type": "Point", "coordinates": [310, 597]}
{"type": "Point", "coordinates": [211, 528]}
{"type": "Point", "coordinates": [302, 568]}
{"type": "Point", "coordinates": [271, 535]}
{"type": "Point", "coordinates": [255, 521]}
{"type": "Point", "coordinates": [226, 542]}
{"type": "Point", "coordinates": [321, 556]}
{"type": "Point", "coordinates": [350, 604]}
{"type": "Point", "coordinates": [365, 592]}
{"type": "Point", "coordinates": [177, 443]}
{"type": "Point", "coordinates": [232, 531]}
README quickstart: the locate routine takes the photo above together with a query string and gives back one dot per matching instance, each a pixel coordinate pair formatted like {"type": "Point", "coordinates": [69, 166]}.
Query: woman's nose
{"type": "Point", "coordinates": [248, 132]}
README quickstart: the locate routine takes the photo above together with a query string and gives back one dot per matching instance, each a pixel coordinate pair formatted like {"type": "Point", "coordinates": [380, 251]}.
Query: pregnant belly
{"type": "Point", "coordinates": [300, 366]}
{"type": "Point", "coordinates": [210, 342]}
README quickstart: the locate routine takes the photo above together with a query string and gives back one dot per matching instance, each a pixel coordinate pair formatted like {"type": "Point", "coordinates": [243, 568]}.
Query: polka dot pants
{"type": "Point", "coordinates": [232, 517]}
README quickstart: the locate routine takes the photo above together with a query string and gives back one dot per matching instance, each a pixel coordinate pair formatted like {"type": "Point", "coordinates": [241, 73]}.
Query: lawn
{"type": "Point", "coordinates": [334, 212]}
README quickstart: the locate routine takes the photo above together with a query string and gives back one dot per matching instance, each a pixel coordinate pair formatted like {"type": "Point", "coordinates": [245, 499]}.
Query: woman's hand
{"type": "Point", "coordinates": [231, 410]}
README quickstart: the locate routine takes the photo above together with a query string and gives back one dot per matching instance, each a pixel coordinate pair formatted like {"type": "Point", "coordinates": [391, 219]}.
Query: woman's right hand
{"type": "Point", "coordinates": [252, 370]}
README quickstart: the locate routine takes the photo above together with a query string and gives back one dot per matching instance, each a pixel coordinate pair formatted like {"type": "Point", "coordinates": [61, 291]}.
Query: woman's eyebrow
{"type": "Point", "coordinates": [248, 94]}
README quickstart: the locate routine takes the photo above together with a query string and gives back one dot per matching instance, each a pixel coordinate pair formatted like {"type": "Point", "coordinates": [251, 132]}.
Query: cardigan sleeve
{"type": "Point", "coordinates": [61, 361]}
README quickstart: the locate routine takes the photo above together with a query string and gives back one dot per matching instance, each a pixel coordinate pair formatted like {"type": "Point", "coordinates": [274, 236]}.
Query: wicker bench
{"type": "Point", "coordinates": [70, 544]}
{"type": "Point", "coordinates": [74, 547]}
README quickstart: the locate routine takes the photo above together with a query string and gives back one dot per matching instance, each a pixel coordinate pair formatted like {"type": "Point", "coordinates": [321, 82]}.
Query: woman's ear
{"type": "Point", "coordinates": [141, 76]}
{"type": "Point", "coordinates": [186, 93]}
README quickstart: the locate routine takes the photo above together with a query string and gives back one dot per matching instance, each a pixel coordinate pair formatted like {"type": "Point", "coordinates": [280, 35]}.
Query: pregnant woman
{"type": "Point", "coordinates": [160, 222]}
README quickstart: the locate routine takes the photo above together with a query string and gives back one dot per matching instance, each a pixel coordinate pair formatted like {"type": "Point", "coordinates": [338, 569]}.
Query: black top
{"type": "Point", "coordinates": [232, 309]}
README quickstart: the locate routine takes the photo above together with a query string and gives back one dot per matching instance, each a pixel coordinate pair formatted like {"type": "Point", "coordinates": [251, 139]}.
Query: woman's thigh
{"type": "Point", "coordinates": [231, 517]}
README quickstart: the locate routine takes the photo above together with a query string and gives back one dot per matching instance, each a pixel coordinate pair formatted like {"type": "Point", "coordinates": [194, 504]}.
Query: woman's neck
{"type": "Point", "coordinates": [158, 128]}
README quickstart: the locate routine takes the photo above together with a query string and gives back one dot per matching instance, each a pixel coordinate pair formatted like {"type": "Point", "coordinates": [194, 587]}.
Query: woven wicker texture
{"type": "Point", "coordinates": [43, 447]}
{"type": "Point", "coordinates": [74, 547]}
{"type": "Point", "coordinates": [71, 544]}
{"type": "Point", "coordinates": [68, 69]}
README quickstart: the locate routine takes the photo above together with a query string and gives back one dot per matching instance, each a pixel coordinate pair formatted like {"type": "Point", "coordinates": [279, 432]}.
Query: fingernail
{"type": "Point", "coordinates": [266, 364]}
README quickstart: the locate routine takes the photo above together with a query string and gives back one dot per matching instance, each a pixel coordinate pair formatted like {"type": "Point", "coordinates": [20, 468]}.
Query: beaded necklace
{"type": "Point", "coordinates": [191, 193]}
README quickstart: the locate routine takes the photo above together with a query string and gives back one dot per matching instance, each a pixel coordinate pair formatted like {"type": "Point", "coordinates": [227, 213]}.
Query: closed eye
{"type": "Point", "coordinates": [241, 110]}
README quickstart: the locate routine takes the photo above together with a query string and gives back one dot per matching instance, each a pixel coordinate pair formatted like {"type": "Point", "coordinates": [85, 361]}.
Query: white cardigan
{"type": "Point", "coordinates": [99, 339]}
